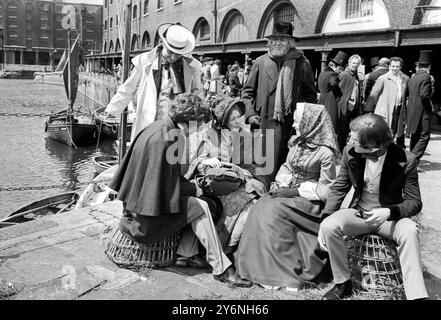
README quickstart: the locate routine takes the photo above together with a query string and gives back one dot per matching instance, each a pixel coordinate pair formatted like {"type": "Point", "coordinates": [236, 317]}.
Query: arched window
{"type": "Point", "coordinates": [105, 6]}
{"type": "Point", "coordinates": [146, 7]}
{"type": "Point", "coordinates": [202, 30]}
{"type": "Point", "coordinates": [353, 15]}
{"type": "Point", "coordinates": [134, 45]}
{"type": "Point", "coordinates": [145, 40]}
{"type": "Point", "coordinates": [277, 11]}
{"type": "Point", "coordinates": [116, 20]}
{"type": "Point", "coordinates": [111, 46]}
{"type": "Point", "coordinates": [105, 47]}
{"type": "Point", "coordinates": [111, 23]}
{"type": "Point", "coordinates": [233, 28]}
{"type": "Point", "coordinates": [117, 46]}
{"type": "Point", "coordinates": [135, 11]}
{"type": "Point", "coordinates": [105, 24]}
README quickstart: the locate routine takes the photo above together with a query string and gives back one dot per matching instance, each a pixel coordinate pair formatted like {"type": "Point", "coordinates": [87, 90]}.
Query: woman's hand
{"type": "Point", "coordinates": [284, 193]}
{"type": "Point", "coordinates": [212, 162]}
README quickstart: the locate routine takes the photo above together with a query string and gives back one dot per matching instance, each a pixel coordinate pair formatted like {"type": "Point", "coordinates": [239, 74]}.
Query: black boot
{"type": "Point", "coordinates": [339, 291]}
{"type": "Point", "coordinates": [231, 278]}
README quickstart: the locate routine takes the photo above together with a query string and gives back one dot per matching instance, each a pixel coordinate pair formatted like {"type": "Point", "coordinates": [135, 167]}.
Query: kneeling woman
{"type": "Point", "coordinates": [279, 245]}
{"type": "Point", "coordinates": [157, 200]}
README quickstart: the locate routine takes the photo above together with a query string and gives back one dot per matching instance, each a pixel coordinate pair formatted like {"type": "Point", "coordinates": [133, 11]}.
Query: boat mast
{"type": "Point", "coordinates": [125, 76]}
{"type": "Point", "coordinates": [69, 82]}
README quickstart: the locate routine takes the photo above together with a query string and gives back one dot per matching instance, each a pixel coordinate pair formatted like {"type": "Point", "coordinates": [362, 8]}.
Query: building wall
{"type": "Point", "coordinates": [309, 20]}
{"type": "Point", "coordinates": [32, 31]}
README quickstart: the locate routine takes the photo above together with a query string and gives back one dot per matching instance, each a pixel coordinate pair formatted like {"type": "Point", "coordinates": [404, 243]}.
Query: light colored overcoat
{"type": "Point", "coordinates": [141, 81]}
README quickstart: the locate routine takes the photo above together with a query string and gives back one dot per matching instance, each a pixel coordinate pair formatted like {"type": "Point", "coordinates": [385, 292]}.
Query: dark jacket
{"type": "Point", "coordinates": [330, 92]}
{"type": "Point", "coordinates": [347, 81]}
{"type": "Point", "coordinates": [235, 85]}
{"type": "Point", "coordinates": [259, 96]}
{"type": "Point", "coordinates": [399, 187]}
{"type": "Point", "coordinates": [370, 82]}
{"type": "Point", "coordinates": [420, 91]}
{"type": "Point", "coordinates": [259, 92]}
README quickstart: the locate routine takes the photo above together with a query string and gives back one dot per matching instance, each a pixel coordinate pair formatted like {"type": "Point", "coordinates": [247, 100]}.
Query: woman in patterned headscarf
{"type": "Point", "coordinates": [279, 245]}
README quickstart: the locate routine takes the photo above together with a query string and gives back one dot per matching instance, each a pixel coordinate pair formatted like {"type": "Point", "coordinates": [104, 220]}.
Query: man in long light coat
{"type": "Point", "coordinates": [390, 93]}
{"type": "Point", "coordinates": [150, 77]}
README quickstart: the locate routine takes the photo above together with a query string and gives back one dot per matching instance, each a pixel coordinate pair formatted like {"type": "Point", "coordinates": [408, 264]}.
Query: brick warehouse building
{"type": "Point", "coordinates": [233, 29]}
{"type": "Point", "coordinates": [31, 32]}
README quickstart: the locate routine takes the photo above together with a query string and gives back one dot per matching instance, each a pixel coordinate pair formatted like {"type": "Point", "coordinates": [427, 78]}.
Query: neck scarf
{"type": "Point", "coordinates": [374, 155]}
{"type": "Point", "coordinates": [285, 82]}
{"type": "Point", "coordinates": [316, 129]}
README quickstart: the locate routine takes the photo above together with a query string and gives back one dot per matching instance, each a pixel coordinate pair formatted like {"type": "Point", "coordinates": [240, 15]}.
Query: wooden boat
{"type": "Point", "coordinates": [70, 127]}
{"type": "Point", "coordinates": [101, 163]}
{"type": "Point", "coordinates": [43, 207]}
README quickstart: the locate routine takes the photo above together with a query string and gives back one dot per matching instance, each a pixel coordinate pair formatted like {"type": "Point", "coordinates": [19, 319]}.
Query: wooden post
{"type": "Point", "coordinates": [125, 76]}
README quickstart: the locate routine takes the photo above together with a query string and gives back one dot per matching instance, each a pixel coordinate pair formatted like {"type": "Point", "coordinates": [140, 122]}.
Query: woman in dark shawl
{"type": "Point", "coordinates": [279, 245]}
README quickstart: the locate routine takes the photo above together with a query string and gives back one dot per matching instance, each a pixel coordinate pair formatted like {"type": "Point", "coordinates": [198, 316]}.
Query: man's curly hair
{"type": "Point", "coordinates": [188, 107]}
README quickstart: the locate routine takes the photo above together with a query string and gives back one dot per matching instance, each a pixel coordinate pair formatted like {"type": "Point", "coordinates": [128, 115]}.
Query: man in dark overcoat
{"type": "Point", "coordinates": [419, 105]}
{"type": "Point", "coordinates": [350, 104]}
{"type": "Point", "coordinates": [277, 81]}
{"type": "Point", "coordinates": [328, 81]}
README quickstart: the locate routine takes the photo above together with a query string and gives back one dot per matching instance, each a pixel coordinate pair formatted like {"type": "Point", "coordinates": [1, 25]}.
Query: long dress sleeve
{"type": "Point", "coordinates": [285, 173]}
{"type": "Point", "coordinates": [319, 190]}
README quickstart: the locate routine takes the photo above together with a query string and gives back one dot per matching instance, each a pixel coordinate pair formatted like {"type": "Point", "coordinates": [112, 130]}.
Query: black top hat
{"type": "Point", "coordinates": [425, 57]}
{"type": "Point", "coordinates": [282, 29]}
{"type": "Point", "coordinates": [374, 61]}
{"type": "Point", "coordinates": [340, 58]}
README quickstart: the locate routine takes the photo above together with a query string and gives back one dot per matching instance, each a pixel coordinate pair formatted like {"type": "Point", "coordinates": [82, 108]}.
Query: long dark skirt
{"type": "Point", "coordinates": [279, 244]}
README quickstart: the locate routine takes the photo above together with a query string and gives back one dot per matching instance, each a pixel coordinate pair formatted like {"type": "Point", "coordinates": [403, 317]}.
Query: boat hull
{"type": "Point", "coordinates": [46, 206]}
{"type": "Point", "coordinates": [102, 163]}
{"type": "Point", "coordinates": [71, 133]}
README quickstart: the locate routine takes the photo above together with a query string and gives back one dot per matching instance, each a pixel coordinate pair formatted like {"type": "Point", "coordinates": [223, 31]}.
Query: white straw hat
{"type": "Point", "coordinates": [176, 38]}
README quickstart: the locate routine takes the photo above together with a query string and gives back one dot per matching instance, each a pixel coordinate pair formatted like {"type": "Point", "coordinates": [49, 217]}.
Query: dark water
{"type": "Point", "coordinates": [28, 157]}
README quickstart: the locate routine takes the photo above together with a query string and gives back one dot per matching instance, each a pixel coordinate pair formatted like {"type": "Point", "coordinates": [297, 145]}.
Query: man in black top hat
{"type": "Point", "coordinates": [277, 81]}
{"type": "Point", "coordinates": [420, 105]}
{"type": "Point", "coordinates": [328, 85]}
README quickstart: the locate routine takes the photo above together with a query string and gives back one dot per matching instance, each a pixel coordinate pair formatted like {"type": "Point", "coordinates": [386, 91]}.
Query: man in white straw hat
{"type": "Point", "coordinates": [165, 71]}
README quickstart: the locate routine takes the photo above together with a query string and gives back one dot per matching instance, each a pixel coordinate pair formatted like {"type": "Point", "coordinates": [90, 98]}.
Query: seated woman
{"type": "Point", "coordinates": [279, 245]}
{"type": "Point", "coordinates": [157, 200]}
{"type": "Point", "coordinates": [229, 142]}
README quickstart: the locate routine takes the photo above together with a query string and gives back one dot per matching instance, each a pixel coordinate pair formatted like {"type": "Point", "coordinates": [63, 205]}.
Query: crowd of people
{"type": "Point", "coordinates": [259, 172]}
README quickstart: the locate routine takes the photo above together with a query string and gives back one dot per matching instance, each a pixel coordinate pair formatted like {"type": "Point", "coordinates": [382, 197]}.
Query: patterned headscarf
{"type": "Point", "coordinates": [316, 128]}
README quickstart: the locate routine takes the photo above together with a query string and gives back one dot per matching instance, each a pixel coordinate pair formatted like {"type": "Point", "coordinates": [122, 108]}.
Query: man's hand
{"type": "Point", "coordinates": [254, 120]}
{"type": "Point", "coordinates": [212, 162]}
{"type": "Point", "coordinates": [284, 193]}
{"type": "Point", "coordinates": [377, 216]}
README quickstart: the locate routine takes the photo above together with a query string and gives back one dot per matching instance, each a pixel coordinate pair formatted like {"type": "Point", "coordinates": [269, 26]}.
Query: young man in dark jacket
{"type": "Point", "coordinates": [386, 195]}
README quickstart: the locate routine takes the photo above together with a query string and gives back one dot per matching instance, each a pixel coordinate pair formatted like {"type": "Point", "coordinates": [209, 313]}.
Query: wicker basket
{"type": "Point", "coordinates": [375, 267]}
{"type": "Point", "coordinates": [127, 253]}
